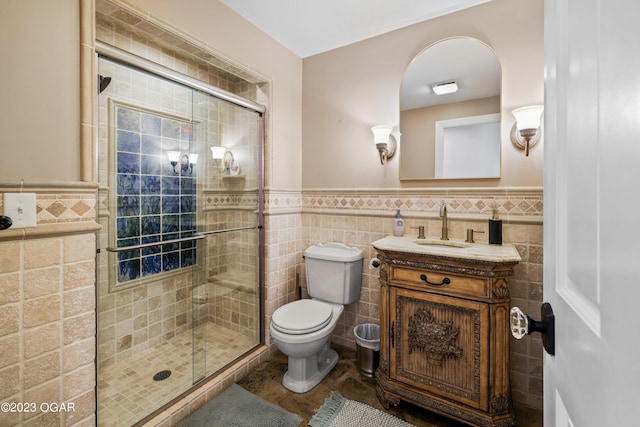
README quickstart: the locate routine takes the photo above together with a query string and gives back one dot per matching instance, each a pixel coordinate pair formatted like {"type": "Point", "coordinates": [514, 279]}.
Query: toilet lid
{"type": "Point", "coordinates": [302, 317]}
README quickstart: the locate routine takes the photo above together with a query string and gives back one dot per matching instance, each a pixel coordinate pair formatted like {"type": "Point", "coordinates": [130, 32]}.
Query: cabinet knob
{"type": "Point", "coordinates": [522, 324]}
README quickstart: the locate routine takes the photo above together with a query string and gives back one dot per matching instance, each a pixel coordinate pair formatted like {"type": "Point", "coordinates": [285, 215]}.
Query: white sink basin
{"type": "Point", "coordinates": [437, 242]}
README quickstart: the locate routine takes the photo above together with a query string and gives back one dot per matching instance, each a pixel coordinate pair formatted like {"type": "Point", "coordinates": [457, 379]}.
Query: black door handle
{"type": "Point", "coordinates": [5, 222]}
{"type": "Point", "coordinates": [522, 324]}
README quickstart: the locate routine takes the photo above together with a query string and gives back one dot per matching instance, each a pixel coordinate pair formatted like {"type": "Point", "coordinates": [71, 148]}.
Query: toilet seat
{"type": "Point", "coordinates": [302, 317]}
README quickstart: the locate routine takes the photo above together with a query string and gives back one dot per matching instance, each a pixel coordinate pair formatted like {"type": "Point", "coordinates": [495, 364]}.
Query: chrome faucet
{"type": "Point", "coordinates": [445, 220]}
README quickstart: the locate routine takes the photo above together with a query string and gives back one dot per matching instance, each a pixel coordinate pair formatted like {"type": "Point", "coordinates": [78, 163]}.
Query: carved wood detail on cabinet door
{"type": "Point", "coordinates": [435, 339]}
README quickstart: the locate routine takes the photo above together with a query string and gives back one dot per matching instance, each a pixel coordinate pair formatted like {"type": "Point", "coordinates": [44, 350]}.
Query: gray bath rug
{"type": "Point", "coordinates": [236, 407]}
{"type": "Point", "coordinates": [340, 412]}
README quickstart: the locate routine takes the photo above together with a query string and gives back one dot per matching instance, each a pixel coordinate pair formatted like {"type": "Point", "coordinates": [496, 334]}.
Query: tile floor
{"type": "Point", "coordinates": [127, 391]}
{"type": "Point", "coordinates": [266, 381]}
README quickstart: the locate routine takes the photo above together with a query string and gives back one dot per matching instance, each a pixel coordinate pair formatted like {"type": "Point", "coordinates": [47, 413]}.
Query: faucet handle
{"type": "Point", "coordinates": [420, 231]}
{"type": "Point", "coordinates": [470, 232]}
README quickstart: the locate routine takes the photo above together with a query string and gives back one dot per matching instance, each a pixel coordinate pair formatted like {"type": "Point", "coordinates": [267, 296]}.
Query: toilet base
{"type": "Point", "coordinates": [306, 373]}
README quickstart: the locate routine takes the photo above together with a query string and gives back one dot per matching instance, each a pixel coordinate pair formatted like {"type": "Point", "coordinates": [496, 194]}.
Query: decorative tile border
{"type": "Point", "coordinates": [523, 204]}
{"type": "Point", "coordinates": [57, 203]}
{"type": "Point", "coordinates": [282, 202]}
{"type": "Point", "coordinates": [512, 204]}
{"type": "Point", "coordinates": [224, 199]}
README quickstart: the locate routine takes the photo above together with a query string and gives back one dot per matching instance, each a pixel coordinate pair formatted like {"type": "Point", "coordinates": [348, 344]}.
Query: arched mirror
{"type": "Point", "coordinates": [454, 135]}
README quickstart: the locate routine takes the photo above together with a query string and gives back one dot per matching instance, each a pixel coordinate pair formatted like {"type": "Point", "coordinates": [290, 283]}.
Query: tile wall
{"type": "Point", "coordinates": [47, 321]}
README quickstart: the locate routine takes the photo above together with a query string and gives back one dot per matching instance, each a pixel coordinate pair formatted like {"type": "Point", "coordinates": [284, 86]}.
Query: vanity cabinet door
{"type": "Point", "coordinates": [439, 344]}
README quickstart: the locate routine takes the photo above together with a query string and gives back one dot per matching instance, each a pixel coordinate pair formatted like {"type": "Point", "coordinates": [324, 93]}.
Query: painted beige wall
{"type": "Point", "coordinates": [230, 35]}
{"type": "Point", "coordinates": [39, 112]}
{"type": "Point", "coordinates": [348, 90]}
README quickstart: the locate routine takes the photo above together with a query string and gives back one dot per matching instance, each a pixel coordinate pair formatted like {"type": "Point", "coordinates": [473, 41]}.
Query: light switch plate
{"type": "Point", "coordinates": [21, 208]}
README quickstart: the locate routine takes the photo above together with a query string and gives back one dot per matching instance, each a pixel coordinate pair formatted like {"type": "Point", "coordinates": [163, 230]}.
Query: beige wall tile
{"type": "Point", "coordinates": [85, 408]}
{"type": "Point", "coordinates": [42, 253]}
{"type": "Point", "coordinates": [78, 354]}
{"type": "Point", "coordinates": [41, 339]}
{"type": "Point", "coordinates": [79, 274]}
{"type": "Point", "coordinates": [10, 256]}
{"type": "Point", "coordinates": [79, 248]}
{"type": "Point", "coordinates": [9, 350]}
{"type": "Point", "coordinates": [10, 383]}
{"type": "Point", "coordinates": [39, 311]}
{"type": "Point", "coordinates": [79, 328]}
{"type": "Point", "coordinates": [41, 369]}
{"type": "Point", "coordinates": [78, 301]}
{"type": "Point", "coordinates": [77, 382]}
{"type": "Point", "coordinates": [9, 287]}
{"type": "Point", "coordinates": [41, 282]}
{"type": "Point", "coordinates": [9, 319]}
{"type": "Point", "coordinates": [46, 392]}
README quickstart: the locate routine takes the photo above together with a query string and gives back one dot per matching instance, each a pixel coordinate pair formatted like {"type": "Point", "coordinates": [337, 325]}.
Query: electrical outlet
{"type": "Point", "coordinates": [21, 208]}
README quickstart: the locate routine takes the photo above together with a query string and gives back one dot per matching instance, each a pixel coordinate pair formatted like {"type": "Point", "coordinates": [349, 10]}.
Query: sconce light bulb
{"type": "Point", "coordinates": [381, 134]}
{"type": "Point", "coordinates": [217, 152]}
{"type": "Point", "coordinates": [528, 117]}
{"type": "Point", "coordinates": [174, 157]}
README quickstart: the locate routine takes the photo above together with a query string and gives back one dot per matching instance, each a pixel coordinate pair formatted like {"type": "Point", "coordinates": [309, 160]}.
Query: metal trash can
{"type": "Point", "coordinates": [367, 348]}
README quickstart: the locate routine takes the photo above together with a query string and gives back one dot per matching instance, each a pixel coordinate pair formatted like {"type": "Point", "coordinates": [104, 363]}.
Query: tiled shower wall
{"type": "Point", "coordinates": [359, 218]}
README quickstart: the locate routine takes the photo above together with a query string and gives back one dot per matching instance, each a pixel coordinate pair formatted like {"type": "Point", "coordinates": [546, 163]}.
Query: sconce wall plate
{"type": "Point", "coordinates": [387, 150]}
{"type": "Point", "coordinates": [519, 141]}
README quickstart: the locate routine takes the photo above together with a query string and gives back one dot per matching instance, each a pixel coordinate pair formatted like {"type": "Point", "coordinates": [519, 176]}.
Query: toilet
{"type": "Point", "coordinates": [302, 329]}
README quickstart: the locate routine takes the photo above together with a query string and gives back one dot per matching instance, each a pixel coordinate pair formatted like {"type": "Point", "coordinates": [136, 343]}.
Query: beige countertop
{"type": "Point", "coordinates": [450, 248]}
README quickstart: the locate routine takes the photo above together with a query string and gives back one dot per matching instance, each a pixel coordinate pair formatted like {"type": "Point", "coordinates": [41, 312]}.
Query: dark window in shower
{"type": "Point", "coordinates": [156, 199]}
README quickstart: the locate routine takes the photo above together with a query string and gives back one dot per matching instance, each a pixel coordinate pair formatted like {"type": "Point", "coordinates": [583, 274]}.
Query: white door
{"type": "Point", "coordinates": [592, 212]}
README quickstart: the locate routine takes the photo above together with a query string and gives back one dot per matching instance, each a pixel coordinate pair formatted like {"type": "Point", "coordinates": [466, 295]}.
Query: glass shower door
{"type": "Point", "coordinates": [231, 219]}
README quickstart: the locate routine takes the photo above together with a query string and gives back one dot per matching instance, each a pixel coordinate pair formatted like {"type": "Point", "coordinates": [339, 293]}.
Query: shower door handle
{"type": "Point", "coordinates": [196, 236]}
{"type": "Point", "coordinates": [152, 244]}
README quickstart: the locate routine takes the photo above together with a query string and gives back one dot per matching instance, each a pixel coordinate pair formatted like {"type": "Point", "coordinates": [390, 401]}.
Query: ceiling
{"type": "Point", "coordinates": [310, 27]}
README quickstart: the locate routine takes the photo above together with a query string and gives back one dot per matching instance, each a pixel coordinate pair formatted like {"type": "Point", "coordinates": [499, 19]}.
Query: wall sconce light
{"type": "Point", "coordinates": [187, 161]}
{"type": "Point", "coordinates": [525, 133]}
{"type": "Point", "coordinates": [220, 153]}
{"type": "Point", "coordinates": [385, 142]}
{"type": "Point", "coordinates": [174, 158]}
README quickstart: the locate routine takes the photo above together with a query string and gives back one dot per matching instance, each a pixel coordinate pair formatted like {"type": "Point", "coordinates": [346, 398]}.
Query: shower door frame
{"type": "Point", "coordinates": [126, 58]}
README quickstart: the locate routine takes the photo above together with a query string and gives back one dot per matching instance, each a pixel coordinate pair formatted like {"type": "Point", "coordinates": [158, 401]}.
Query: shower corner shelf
{"type": "Point", "coordinates": [229, 176]}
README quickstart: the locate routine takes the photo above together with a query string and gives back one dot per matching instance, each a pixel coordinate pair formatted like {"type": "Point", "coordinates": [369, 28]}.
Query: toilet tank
{"type": "Point", "coordinates": [334, 272]}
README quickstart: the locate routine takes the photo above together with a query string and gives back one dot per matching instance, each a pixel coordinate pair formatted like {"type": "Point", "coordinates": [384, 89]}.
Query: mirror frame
{"type": "Point", "coordinates": [403, 148]}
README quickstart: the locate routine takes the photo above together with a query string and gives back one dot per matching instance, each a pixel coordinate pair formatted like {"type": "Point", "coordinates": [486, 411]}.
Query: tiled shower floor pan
{"type": "Point", "coordinates": [127, 391]}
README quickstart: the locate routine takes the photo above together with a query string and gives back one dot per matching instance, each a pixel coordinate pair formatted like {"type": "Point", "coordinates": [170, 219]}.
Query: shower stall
{"type": "Point", "coordinates": [180, 265]}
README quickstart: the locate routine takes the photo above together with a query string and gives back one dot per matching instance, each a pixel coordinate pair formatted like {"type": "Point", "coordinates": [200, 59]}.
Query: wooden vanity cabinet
{"type": "Point", "coordinates": [444, 336]}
